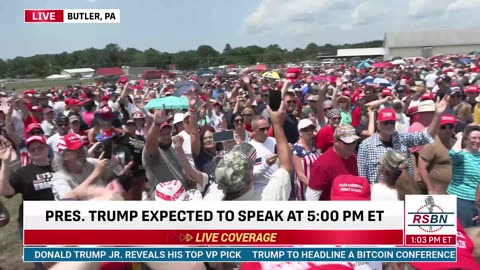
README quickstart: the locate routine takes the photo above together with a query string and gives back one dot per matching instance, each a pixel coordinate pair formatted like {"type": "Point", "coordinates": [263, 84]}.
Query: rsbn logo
{"type": "Point", "coordinates": [431, 217]}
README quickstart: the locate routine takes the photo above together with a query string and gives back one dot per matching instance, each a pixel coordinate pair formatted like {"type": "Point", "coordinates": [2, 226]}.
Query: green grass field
{"type": "Point", "coordinates": [44, 84]}
{"type": "Point", "coordinates": [10, 245]}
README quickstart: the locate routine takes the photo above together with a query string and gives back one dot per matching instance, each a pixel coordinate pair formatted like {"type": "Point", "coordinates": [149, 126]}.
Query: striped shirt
{"type": "Point", "coordinates": [465, 174]}
{"type": "Point", "coordinates": [308, 158]}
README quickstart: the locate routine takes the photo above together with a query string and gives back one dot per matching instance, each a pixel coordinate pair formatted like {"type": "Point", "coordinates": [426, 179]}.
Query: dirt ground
{"type": "Point", "coordinates": [10, 246]}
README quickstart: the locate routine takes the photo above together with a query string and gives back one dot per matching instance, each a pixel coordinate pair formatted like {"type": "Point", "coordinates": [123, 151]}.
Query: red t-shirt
{"type": "Point", "coordinates": [324, 138]}
{"type": "Point", "coordinates": [326, 168]}
{"type": "Point", "coordinates": [356, 116]}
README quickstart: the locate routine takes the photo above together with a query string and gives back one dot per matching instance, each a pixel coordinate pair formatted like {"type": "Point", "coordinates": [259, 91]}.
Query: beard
{"type": "Point", "coordinates": [165, 144]}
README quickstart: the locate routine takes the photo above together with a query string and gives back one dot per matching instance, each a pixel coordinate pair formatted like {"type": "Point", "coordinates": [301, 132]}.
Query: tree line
{"type": "Point", "coordinates": [205, 56]}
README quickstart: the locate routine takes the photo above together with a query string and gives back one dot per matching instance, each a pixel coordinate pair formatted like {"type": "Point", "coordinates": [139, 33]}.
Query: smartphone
{"type": "Point", "coordinates": [275, 100]}
{"type": "Point", "coordinates": [107, 149]}
{"type": "Point", "coordinates": [223, 136]}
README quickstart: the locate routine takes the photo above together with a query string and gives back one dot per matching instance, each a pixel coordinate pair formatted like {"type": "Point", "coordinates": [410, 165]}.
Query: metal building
{"type": "Point", "coordinates": [429, 43]}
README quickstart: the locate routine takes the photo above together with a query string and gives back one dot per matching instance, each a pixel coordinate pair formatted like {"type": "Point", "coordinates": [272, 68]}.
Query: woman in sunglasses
{"type": "Point", "coordinates": [434, 164]}
{"type": "Point", "coordinates": [465, 176]}
{"type": "Point", "coordinates": [241, 135]}
{"type": "Point", "coordinates": [304, 155]}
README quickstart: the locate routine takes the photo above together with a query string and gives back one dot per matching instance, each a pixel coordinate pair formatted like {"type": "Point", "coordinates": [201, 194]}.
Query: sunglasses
{"type": "Point", "coordinates": [62, 125]}
{"type": "Point", "coordinates": [290, 102]}
{"type": "Point", "coordinates": [455, 96]}
{"type": "Point", "coordinates": [327, 109]}
{"type": "Point", "coordinates": [239, 121]}
{"type": "Point", "coordinates": [264, 129]}
{"type": "Point", "coordinates": [247, 114]}
{"type": "Point", "coordinates": [309, 129]}
{"type": "Point", "coordinates": [447, 126]}
{"type": "Point", "coordinates": [386, 123]}
{"type": "Point", "coordinates": [336, 118]}
{"type": "Point", "coordinates": [36, 132]}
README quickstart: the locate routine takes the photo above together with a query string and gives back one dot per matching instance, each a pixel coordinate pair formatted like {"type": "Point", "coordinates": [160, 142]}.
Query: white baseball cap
{"type": "Point", "coordinates": [304, 123]}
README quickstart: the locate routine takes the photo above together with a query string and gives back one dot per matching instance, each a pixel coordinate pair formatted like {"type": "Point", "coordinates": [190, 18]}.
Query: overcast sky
{"type": "Point", "coordinates": [173, 25]}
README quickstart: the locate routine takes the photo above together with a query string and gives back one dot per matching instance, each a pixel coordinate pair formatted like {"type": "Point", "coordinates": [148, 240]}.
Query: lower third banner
{"type": "Point", "coordinates": [237, 254]}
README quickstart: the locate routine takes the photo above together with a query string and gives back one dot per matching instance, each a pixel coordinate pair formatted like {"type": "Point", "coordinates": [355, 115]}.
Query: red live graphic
{"type": "Point", "coordinates": [44, 15]}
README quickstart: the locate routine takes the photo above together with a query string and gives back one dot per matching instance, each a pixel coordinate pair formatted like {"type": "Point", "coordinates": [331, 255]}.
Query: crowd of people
{"type": "Point", "coordinates": [331, 139]}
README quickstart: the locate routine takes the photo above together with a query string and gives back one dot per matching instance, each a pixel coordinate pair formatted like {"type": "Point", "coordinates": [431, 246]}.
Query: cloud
{"type": "Point", "coordinates": [463, 5]}
{"type": "Point", "coordinates": [92, 1]}
{"type": "Point", "coordinates": [427, 8]}
{"type": "Point", "coordinates": [344, 21]}
{"type": "Point", "coordinates": [290, 15]}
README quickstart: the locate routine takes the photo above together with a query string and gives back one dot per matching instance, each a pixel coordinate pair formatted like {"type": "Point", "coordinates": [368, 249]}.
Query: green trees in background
{"type": "Point", "coordinates": [204, 56]}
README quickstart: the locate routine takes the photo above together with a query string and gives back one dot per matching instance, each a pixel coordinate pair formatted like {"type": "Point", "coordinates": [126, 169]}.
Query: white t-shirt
{"type": "Point", "coordinates": [59, 107]}
{"type": "Point", "coordinates": [216, 121]}
{"type": "Point", "coordinates": [430, 80]}
{"type": "Point", "coordinates": [262, 172]}
{"type": "Point", "coordinates": [53, 141]}
{"type": "Point", "coordinates": [380, 192]}
{"type": "Point", "coordinates": [187, 146]}
{"type": "Point", "coordinates": [48, 128]}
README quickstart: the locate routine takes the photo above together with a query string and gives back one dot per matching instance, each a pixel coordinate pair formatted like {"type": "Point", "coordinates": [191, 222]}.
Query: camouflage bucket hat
{"type": "Point", "coordinates": [393, 161]}
{"type": "Point", "coordinates": [346, 133]}
{"type": "Point", "coordinates": [233, 172]}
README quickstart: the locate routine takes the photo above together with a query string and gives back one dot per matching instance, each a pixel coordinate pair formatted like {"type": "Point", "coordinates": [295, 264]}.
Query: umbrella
{"type": "Point", "coordinates": [381, 64]}
{"type": "Point", "coordinates": [382, 82]}
{"type": "Point", "coordinates": [376, 81]}
{"type": "Point", "coordinates": [398, 62]}
{"type": "Point", "coordinates": [171, 102]}
{"type": "Point", "coordinates": [258, 67]}
{"type": "Point", "coordinates": [183, 87]}
{"type": "Point", "coordinates": [366, 80]}
{"type": "Point", "coordinates": [464, 61]}
{"type": "Point", "coordinates": [363, 64]}
{"type": "Point", "coordinates": [271, 75]}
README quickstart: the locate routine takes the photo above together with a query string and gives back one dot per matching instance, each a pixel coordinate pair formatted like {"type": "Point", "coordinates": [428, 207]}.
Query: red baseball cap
{"type": "Point", "coordinates": [472, 89]}
{"type": "Point", "coordinates": [427, 96]}
{"type": "Point", "coordinates": [70, 142]}
{"type": "Point", "coordinates": [448, 119]}
{"type": "Point", "coordinates": [297, 265]}
{"type": "Point", "coordinates": [386, 92]}
{"type": "Point", "coordinates": [465, 259]}
{"type": "Point", "coordinates": [75, 102]}
{"type": "Point", "coordinates": [350, 188]}
{"type": "Point", "coordinates": [386, 114]}
{"type": "Point", "coordinates": [165, 124]}
{"type": "Point", "coordinates": [36, 138]}
{"type": "Point", "coordinates": [33, 126]}
{"type": "Point", "coordinates": [36, 109]}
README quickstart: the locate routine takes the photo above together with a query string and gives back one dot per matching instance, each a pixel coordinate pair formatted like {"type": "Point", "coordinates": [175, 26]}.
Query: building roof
{"type": "Point", "coordinates": [79, 70]}
{"type": "Point", "coordinates": [443, 37]}
{"type": "Point", "coordinates": [109, 71]}
{"type": "Point", "coordinates": [360, 52]}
